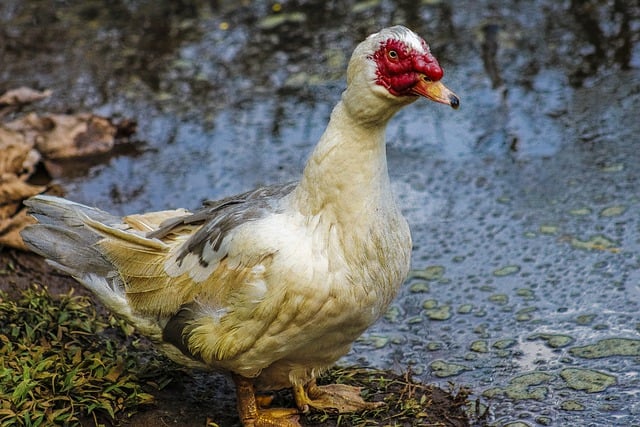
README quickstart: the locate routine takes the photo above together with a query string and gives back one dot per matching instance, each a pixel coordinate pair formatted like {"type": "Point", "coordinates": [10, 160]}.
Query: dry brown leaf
{"type": "Point", "coordinates": [10, 229]}
{"type": "Point", "coordinates": [17, 154]}
{"type": "Point", "coordinates": [22, 95]}
{"type": "Point", "coordinates": [62, 136]}
{"type": "Point", "coordinates": [13, 189]}
{"type": "Point", "coordinates": [58, 139]}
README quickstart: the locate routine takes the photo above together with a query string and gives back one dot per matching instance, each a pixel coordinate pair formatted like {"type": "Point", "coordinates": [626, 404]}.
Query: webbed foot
{"type": "Point", "coordinates": [252, 415]}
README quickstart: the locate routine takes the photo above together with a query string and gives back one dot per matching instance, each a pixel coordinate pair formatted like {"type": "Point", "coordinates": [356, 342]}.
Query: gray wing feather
{"type": "Point", "coordinates": [220, 217]}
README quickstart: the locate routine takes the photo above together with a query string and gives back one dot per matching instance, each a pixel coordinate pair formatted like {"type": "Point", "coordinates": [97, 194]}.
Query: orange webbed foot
{"type": "Point", "coordinates": [252, 413]}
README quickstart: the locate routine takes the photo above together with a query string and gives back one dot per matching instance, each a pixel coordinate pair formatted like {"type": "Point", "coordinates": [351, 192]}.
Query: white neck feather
{"type": "Point", "coordinates": [346, 174]}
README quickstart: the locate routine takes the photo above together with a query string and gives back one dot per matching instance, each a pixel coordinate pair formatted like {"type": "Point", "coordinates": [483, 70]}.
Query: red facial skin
{"type": "Point", "coordinates": [400, 68]}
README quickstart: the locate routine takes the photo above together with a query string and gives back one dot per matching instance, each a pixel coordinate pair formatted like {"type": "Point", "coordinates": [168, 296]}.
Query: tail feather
{"type": "Point", "coordinates": [51, 209]}
{"type": "Point", "coordinates": [62, 236]}
{"type": "Point", "coordinates": [67, 235]}
{"type": "Point", "coordinates": [67, 248]}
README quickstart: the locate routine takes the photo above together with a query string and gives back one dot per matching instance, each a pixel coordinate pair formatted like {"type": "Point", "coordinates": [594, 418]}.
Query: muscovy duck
{"type": "Point", "coordinates": [273, 285]}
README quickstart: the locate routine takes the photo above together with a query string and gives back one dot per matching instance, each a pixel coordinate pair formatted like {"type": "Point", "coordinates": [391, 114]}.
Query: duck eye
{"type": "Point", "coordinates": [392, 54]}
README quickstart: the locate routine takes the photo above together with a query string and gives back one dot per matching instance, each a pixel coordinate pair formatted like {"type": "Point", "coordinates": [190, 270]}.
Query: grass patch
{"type": "Point", "coordinates": [58, 364]}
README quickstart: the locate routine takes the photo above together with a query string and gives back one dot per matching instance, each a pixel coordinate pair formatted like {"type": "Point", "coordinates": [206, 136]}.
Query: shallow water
{"type": "Point", "coordinates": [523, 204]}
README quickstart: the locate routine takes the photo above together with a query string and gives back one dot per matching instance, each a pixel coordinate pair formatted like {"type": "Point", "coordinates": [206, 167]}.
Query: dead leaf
{"type": "Point", "coordinates": [22, 95]}
{"type": "Point", "coordinates": [10, 229]}
{"type": "Point", "coordinates": [55, 140]}
{"type": "Point", "coordinates": [115, 372]}
{"type": "Point", "coordinates": [15, 190]}
{"type": "Point", "coordinates": [62, 136]}
{"type": "Point", "coordinates": [18, 155]}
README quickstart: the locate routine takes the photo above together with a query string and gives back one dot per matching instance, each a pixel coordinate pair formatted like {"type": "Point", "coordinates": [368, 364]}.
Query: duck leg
{"type": "Point", "coordinates": [339, 398]}
{"type": "Point", "coordinates": [253, 416]}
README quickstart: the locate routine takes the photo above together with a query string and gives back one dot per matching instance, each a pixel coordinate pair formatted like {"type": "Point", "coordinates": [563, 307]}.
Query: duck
{"type": "Point", "coordinates": [272, 286]}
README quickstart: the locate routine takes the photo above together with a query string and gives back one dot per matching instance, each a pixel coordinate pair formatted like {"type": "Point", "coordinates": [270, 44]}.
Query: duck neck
{"type": "Point", "coordinates": [346, 174]}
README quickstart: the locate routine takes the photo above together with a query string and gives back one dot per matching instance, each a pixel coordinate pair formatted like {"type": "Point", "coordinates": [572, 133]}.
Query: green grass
{"type": "Point", "coordinates": [58, 363]}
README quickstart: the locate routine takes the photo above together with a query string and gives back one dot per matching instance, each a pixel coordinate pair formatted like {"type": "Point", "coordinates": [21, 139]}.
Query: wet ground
{"type": "Point", "coordinates": [523, 204]}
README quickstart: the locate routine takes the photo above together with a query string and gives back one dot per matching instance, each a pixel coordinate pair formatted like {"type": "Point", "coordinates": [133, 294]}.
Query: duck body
{"type": "Point", "coordinates": [273, 285]}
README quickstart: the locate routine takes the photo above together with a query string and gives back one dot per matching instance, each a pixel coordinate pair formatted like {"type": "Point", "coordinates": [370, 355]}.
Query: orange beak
{"type": "Point", "coordinates": [436, 91]}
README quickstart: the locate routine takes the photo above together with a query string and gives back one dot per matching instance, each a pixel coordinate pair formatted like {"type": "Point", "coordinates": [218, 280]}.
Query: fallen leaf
{"type": "Point", "coordinates": [10, 229]}
{"type": "Point", "coordinates": [63, 136]}
{"type": "Point", "coordinates": [22, 95]}
{"type": "Point", "coordinates": [18, 154]}
{"type": "Point", "coordinates": [15, 190]}
{"type": "Point", "coordinates": [54, 140]}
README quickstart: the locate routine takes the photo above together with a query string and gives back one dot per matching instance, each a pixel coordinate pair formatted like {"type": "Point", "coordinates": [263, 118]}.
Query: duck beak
{"type": "Point", "coordinates": [436, 91]}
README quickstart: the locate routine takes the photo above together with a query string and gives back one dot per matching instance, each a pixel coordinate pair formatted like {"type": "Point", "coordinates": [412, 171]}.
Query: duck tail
{"type": "Point", "coordinates": [66, 236]}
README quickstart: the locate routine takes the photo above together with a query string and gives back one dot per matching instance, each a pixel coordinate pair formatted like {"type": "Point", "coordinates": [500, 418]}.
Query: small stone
{"type": "Point", "coordinates": [273, 21]}
{"type": "Point", "coordinates": [414, 320]}
{"type": "Point", "coordinates": [544, 421]}
{"type": "Point", "coordinates": [434, 346]}
{"type": "Point", "coordinates": [439, 313]}
{"type": "Point", "coordinates": [585, 319]}
{"type": "Point", "coordinates": [429, 303]}
{"type": "Point", "coordinates": [524, 386]}
{"type": "Point", "coordinates": [419, 287]}
{"type": "Point", "coordinates": [549, 229]}
{"type": "Point", "coordinates": [525, 314]}
{"type": "Point", "coordinates": [608, 347]}
{"type": "Point", "coordinates": [580, 212]}
{"type": "Point", "coordinates": [479, 346]}
{"type": "Point", "coordinates": [553, 340]}
{"type": "Point", "coordinates": [444, 369]}
{"type": "Point", "coordinates": [506, 271]}
{"type": "Point", "coordinates": [434, 272]}
{"type": "Point", "coordinates": [572, 405]}
{"type": "Point", "coordinates": [589, 380]}
{"type": "Point", "coordinates": [500, 299]}
{"type": "Point", "coordinates": [393, 314]}
{"type": "Point", "coordinates": [517, 391]}
{"type": "Point", "coordinates": [465, 309]}
{"type": "Point", "coordinates": [598, 243]}
{"type": "Point", "coordinates": [615, 167]}
{"type": "Point", "coordinates": [523, 317]}
{"type": "Point", "coordinates": [525, 293]}
{"type": "Point", "coordinates": [376, 341]}
{"type": "Point", "coordinates": [398, 339]}
{"type": "Point", "coordinates": [613, 211]}
{"type": "Point", "coordinates": [504, 344]}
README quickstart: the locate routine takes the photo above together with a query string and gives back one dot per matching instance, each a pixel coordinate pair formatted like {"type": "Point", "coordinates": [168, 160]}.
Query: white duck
{"type": "Point", "coordinates": [273, 285]}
